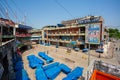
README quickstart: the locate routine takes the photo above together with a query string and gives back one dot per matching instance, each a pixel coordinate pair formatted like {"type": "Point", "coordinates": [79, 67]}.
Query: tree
{"type": "Point", "coordinates": [114, 33]}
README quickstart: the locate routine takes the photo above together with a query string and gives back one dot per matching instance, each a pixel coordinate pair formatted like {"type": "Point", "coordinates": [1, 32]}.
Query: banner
{"type": "Point", "coordinates": [93, 34]}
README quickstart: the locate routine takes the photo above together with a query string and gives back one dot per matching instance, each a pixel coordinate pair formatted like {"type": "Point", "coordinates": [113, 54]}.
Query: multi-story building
{"type": "Point", "coordinates": [9, 35]}
{"type": "Point", "coordinates": [22, 36]}
{"type": "Point", "coordinates": [36, 35]}
{"type": "Point", "coordinates": [83, 31]}
{"type": "Point", "coordinates": [7, 49]}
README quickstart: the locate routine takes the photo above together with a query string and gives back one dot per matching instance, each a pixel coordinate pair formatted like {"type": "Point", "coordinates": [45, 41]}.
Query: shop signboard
{"type": "Point", "coordinates": [93, 34]}
{"type": "Point", "coordinates": [88, 20]}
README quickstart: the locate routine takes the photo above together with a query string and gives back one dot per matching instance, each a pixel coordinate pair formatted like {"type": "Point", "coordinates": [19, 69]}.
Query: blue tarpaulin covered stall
{"type": "Point", "coordinates": [46, 57]}
{"type": "Point", "coordinates": [39, 73]}
{"type": "Point", "coordinates": [51, 65]}
{"type": "Point", "coordinates": [22, 75]}
{"type": "Point", "coordinates": [53, 72]}
{"type": "Point", "coordinates": [75, 74]}
{"type": "Point", "coordinates": [65, 68]}
{"type": "Point", "coordinates": [73, 43]}
{"type": "Point", "coordinates": [34, 61]}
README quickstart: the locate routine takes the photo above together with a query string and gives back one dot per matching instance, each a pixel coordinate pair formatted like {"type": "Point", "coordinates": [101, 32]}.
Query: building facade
{"type": "Point", "coordinates": [84, 31]}
{"type": "Point", "coordinates": [36, 35]}
{"type": "Point", "coordinates": [7, 49]}
{"type": "Point", "coordinates": [9, 35]}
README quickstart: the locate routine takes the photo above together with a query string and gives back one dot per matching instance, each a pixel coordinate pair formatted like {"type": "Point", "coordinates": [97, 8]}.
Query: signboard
{"type": "Point", "coordinates": [93, 34]}
{"type": "Point", "coordinates": [88, 20]}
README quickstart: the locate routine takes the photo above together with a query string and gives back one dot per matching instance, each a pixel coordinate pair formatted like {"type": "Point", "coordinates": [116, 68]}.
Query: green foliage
{"type": "Point", "coordinates": [20, 45]}
{"type": "Point", "coordinates": [114, 33]}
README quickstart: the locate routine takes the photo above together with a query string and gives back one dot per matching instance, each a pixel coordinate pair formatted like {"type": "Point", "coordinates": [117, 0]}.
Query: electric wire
{"type": "Point", "coordinates": [64, 8]}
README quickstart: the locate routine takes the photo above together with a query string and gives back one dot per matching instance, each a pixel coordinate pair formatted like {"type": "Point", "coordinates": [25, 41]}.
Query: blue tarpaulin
{"type": "Point", "coordinates": [24, 26]}
{"type": "Point", "coordinates": [75, 74]}
{"type": "Point", "coordinates": [51, 65]}
{"type": "Point", "coordinates": [52, 73]}
{"type": "Point", "coordinates": [100, 50]}
{"type": "Point", "coordinates": [65, 68]}
{"type": "Point", "coordinates": [19, 65]}
{"type": "Point", "coordinates": [22, 75]}
{"type": "Point", "coordinates": [39, 73]}
{"type": "Point", "coordinates": [34, 61]}
{"type": "Point", "coordinates": [60, 25]}
{"type": "Point", "coordinates": [73, 42]}
{"type": "Point", "coordinates": [46, 57]}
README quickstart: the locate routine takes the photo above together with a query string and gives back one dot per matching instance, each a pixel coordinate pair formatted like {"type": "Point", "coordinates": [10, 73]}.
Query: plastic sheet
{"type": "Point", "coordinates": [39, 73]}
{"type": "Point", "coordinates": [51, 65]}
{"type": "Point", "coordinates": [46, 57]}
{"type": "Point", "coordinates": [65, 68]}
{"type": "Point", "coordinates": [85, 50]}
{"type": "Point", "coordinates": [52, 73]}
{"type": "Point", "coordinates": [34, 61]}
{"type": "Point", "coordinates": [22, 75]}
{"type": "Point", "coordinates": [18, 65]}
{"type": "Point", "coordinates": [75, 74]}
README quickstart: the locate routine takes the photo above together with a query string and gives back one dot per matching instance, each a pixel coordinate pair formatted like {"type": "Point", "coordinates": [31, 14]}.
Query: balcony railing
{"type": "Point", "coordinates": [66, 33]}
{"type": "Point", "coordinates": [8, 36]}
{"type": "Point", "coordinates": [22, 35]}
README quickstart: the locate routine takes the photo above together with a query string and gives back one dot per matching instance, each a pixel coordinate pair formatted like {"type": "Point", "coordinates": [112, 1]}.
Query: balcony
{"type": "Point", "coordinates": [83, 34]}
{"type": "Point", "coordinates": [8, 36]}
{"type": "Point", "coordinates": [67, 41]}
{"type": "Point", "coordinates": [23, 35]}
{"type": "Point", "coordinates": [36, 34]}
{"type": "Point", "coordinates": [61, 40]}
{"type": "Point", "coordinates": [81, 42]}
{"type": "Point", "coordinates": [54, 40]}
{"type": "Point", "coordinates": [81, 25]}
{"type": "Point", "coordinates": [51, 34]}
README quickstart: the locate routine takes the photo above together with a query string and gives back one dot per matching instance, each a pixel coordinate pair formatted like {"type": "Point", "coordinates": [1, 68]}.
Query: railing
{"type": "Point", "coordinates": [23, 35]}
{"type": "Point", "coordinates": [81, 25]}
{"type": "Point", "coordinates": [8, 36]}
{"type": "Point", "coordinates": [4, 43]}
{"type": "Point", "coordinates": [102, 66]}
{"type": "Point", "coordinates": [89, 71]}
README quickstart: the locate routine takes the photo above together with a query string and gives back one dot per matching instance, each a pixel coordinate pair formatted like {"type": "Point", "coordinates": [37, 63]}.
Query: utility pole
{"type": "Point", "coordinates": [88, 54]}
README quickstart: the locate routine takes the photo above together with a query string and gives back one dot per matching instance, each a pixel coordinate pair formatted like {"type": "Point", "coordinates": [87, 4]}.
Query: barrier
{"type": "Point", "coordinates": [75, 74]}
{"type": "Point", "coordinates": [65, 68]}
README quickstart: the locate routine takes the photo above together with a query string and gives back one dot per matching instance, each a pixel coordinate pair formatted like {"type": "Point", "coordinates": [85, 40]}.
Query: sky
{"type": "Point", "coordinates": [39, 13]}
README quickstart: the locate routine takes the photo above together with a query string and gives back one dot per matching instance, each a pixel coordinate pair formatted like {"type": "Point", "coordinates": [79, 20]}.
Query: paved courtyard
{"type": "Point", "coordinates": [60, 54]}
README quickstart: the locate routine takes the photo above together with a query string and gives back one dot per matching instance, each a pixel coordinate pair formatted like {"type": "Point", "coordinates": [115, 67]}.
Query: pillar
{"type": "Point", "coordinates": [85, 46]}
